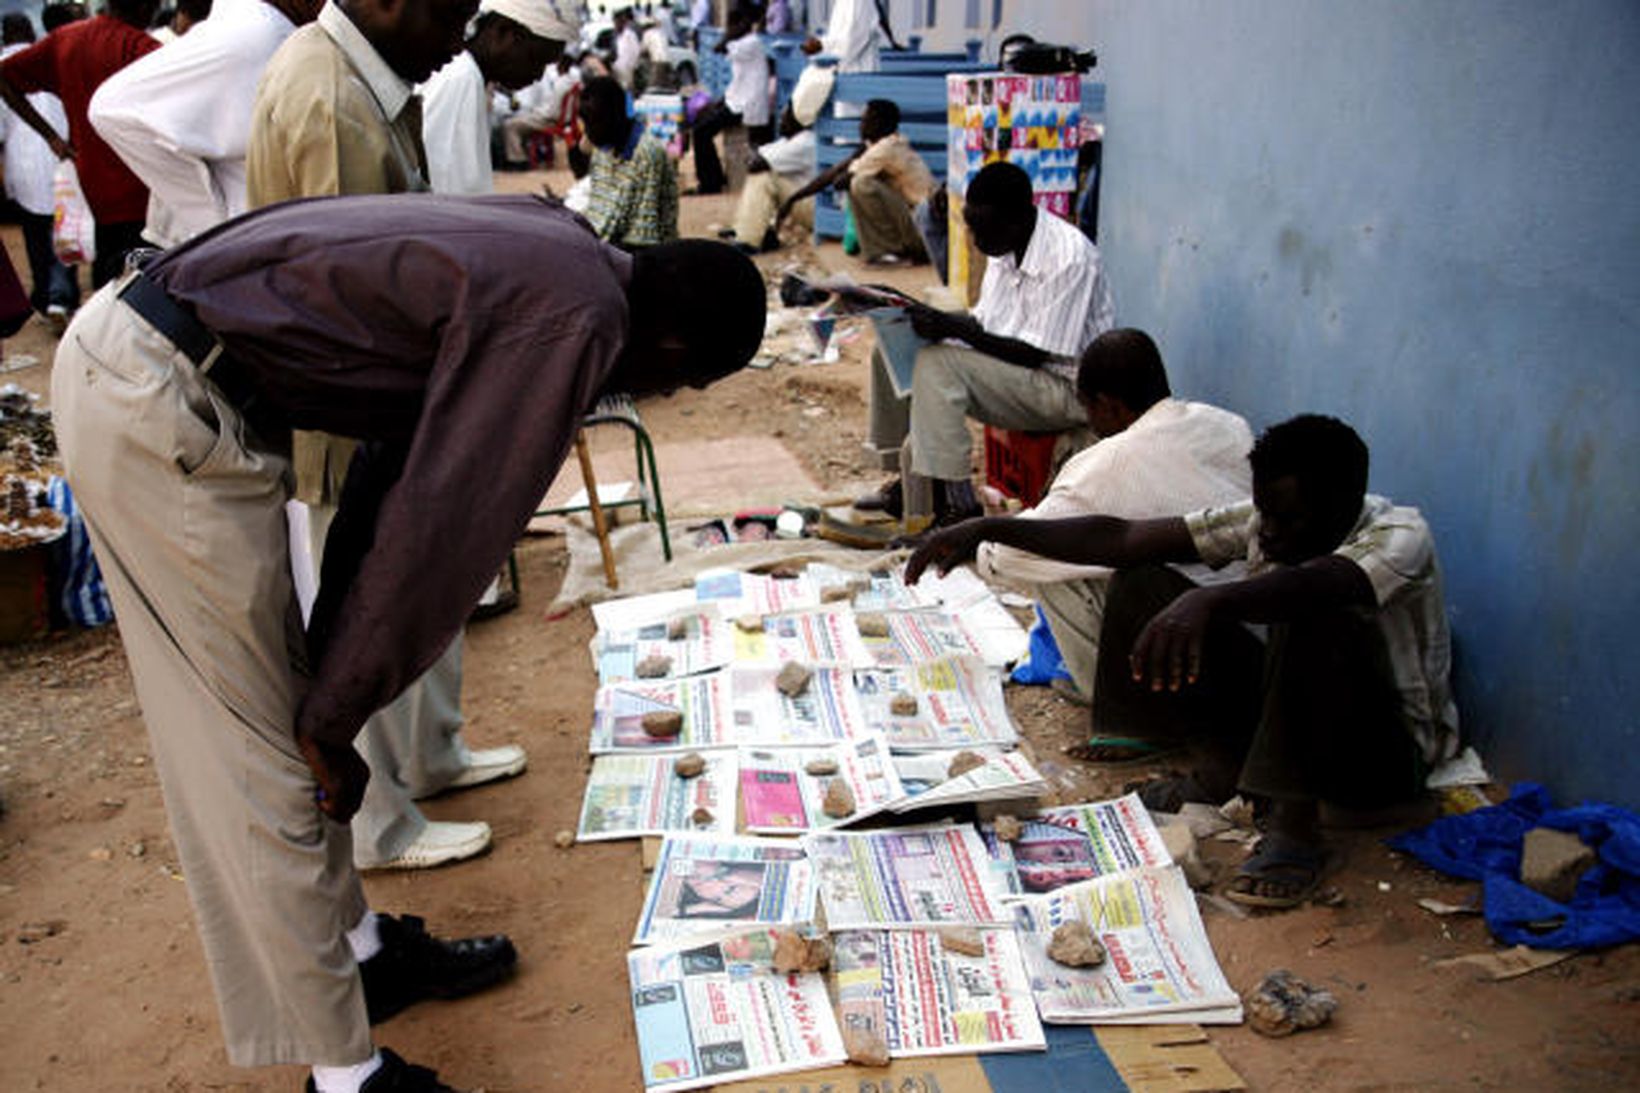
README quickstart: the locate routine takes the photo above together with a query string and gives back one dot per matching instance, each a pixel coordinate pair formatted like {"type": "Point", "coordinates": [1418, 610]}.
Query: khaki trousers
{"type": "Point", "coordinates": [1075, 611]}
{"type": "Point", "coordinates": [951, 384]}
{"type": "Point", "coordinates": [882, 219]}
{"type": "Point", "coordinates": [185, 508]}
{"type": "Point", "coordinates": [413, 745]}
{"type": "Point", "coordinates": [760, 202]}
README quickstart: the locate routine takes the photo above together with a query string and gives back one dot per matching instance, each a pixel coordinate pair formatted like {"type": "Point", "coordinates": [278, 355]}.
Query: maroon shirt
{"type": "Point", "coordinates": [466, 336]}
{"type": "Point", "coordinates": [72, 62]}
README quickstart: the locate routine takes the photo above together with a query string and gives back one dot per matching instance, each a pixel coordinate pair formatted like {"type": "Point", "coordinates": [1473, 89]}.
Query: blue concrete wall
{"type": "Point", "coordinates": [1424, 217]}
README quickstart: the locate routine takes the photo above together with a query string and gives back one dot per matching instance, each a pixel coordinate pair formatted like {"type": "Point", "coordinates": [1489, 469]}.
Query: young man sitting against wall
{"type": "Point", "coordinates": [1345, 702]}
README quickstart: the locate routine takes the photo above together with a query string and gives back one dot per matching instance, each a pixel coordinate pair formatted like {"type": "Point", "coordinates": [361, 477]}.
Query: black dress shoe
{"type": "Point", "coordinates": [414, 965]}
{"type": "Point", "coordinates": [889, 500]}
{"type": "Point", "coordinates": [397, 1076]}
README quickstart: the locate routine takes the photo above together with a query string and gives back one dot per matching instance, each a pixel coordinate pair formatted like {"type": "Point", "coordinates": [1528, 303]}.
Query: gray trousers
{"type": "Point", "coordinates": [1075, 611]}
{"type": "Point", "coordinates": [413, 744]}
{"type": "Point", "coordinates": [185, 510]}
{"type": "Point", "coordinates": [952, 383]}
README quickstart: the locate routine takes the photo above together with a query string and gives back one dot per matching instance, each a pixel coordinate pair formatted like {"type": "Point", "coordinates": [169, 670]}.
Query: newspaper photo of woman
{"type": "Point", "coordinates": [721, 890]}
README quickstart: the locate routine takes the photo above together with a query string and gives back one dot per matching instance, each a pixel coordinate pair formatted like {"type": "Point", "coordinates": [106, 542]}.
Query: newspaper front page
{"type": "Point", "coordinates": [779, 795]}
{"type": "Point", "coordinates": [808, 637]}
{"type": "Point", "coordinates": [692, 641]}
{"type": "Point", "coordinates": [915, 637]}
{"type": "Point", "coordinates": [710, 886]}
{"type": "Point", "coordinates": [739, 593]}
{"type": "Point", "coordinates": [1159, 967]}
{"type": "Point", "coordinates": [1005, 776]}
{"type": "Point", "coordinates": [910, 876]}
{"type": "Point", "coordinates": [715, 1012]}
{"type": "Point", "coordinates": [924, 999]}
{"type": "Point", "coordinates": [629, 796]}
{"type": "Point", "coordinates": [959, 704]}
{"type": "Point", "coordinates": [619, 709]}
{"type": "Point", "coordinates": [764, 716]}
{"type": "Point", "coordinates": [1060, 846]}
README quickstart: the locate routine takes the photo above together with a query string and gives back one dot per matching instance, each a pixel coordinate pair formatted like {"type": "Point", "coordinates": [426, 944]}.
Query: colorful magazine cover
{"type": "Point", "coordinates": [783, 790]}
{"type": "Point", "coordinates": [709, 886]}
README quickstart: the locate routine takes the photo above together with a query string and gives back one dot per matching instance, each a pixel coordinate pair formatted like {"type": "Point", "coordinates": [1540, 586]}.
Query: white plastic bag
{"type": "Point", "coordinates": [73, 231]}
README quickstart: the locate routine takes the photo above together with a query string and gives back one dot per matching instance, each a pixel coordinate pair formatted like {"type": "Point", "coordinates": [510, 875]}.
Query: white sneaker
{"type": "Point", "coordinates": [439, 844]}
{"type": "Point", "coordinates": [490, 764]}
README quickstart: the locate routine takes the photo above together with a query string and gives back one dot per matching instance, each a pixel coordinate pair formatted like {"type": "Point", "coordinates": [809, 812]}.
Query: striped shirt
{"type": "Point", "coordinates": [633, 198]}
{"type": "Point", "coordinates": [1056, 299]}
{"type": "Point", "coordinates": [1395, 550]}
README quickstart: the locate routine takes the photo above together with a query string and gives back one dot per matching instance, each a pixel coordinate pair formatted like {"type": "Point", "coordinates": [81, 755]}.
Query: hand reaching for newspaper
{"type": "Point", "coordinates": [947, 548]}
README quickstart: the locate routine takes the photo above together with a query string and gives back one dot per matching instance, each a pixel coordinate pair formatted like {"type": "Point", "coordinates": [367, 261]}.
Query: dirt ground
{"type": "Point", "coordinates": [102, 984]}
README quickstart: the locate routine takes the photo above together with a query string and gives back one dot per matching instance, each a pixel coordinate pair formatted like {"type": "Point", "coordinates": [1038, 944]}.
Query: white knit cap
{"type": "Point", "coordinates": [543, 18]}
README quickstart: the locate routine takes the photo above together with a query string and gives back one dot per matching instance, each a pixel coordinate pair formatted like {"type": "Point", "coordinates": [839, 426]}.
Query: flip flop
{"type": "Point", "coordinates": [1280, 860]}
{"type": "Point", "coordinates": [1121, 751]}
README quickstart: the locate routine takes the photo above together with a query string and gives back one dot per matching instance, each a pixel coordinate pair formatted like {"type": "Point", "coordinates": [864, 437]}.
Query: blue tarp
{"type": "Point", "coordinates": [1485, 845]}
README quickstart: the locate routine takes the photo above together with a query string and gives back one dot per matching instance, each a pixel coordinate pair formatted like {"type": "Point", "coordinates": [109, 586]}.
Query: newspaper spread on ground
{"type": "Point", "coordinates": [877, 590]}
{"type": "Point", "coordinates": [1060, 846]}
{"type": "Point", "coordinates": [1004, 776]}
{"type": "Point", "coordinates": [629, 796]}
{"type": "Point", "coordinates": [959, 704]}
{"type": "Point", "coordinates": [706, 887]}
{"type": "Point", "coordinates": [915, 637]}
{"type": "Point", "coordinates": [765, 716]}
{"type": "Point", "coordinates": [690, 641]}
{"type": "Point", "coordinates": [1158, 965]}
{"type": "Point", "coordinates": [703, 701]}
{"type": "Point", "coordinates": [779, 795]}
{"type": "Point", "coordinates": [628, 612]}
{"type": "Point", "coordinates": [740, 593]}
{"type": "Point", "coordinates": [910, 876]}
{"type": "Point", "coordinates": [925, 999]}
{"type": "Point", "coordinates": [714, 1012]}
{"type": "Point", "coordinates": [814, 636]}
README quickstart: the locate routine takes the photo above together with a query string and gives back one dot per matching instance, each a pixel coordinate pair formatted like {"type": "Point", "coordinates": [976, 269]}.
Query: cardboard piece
{"type": "Point", "coordinates": [1508, 963]}
{"type": "Point", "coordinates": [1167, 1059]}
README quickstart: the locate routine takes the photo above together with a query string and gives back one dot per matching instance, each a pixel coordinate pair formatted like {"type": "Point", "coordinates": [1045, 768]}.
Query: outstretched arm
{"type": "Point", "coordinates": [819, 182]}
{"type": "Point", "coordinates": [1086, 540]}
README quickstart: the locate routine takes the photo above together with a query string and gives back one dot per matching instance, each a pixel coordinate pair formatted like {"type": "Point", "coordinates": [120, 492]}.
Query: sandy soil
{"type": "Point", "coordinates": [102, 985]}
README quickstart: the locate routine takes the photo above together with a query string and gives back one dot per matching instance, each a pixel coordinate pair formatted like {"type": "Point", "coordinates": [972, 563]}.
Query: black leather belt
{"type": "Point", "coordinates": [192, 338]}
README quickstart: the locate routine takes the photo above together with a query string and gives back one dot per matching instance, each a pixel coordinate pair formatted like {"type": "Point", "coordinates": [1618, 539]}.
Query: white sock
{"type": "Point", "coordinates": [365, 939]}
{"type": "Point", "coordinates": [345, 1079]}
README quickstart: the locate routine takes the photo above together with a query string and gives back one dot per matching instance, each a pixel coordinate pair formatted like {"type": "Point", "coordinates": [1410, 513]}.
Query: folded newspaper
{"type": "Point", "coordinates": [716, 1011]}
{"type": "Point", "coordinates": [630, 795]}
{"type": "Point", "coordinates": [909, 876]}
{"type": "Point", "coordinates": [708, 887]}
{"type": "Point", "coordinates": [786, 791]}
{"type": "Point", "coordinates": [695, 639]}
{"type": "Point", "coordinates": [1002, 776]}
{"type": "Point", "coordinates": [924, 998]}
{"type": "Point", "coordinates": [1071, 843]}
{"type": "Point", "coordinates": [958, 704]}
{"type": "Point", "coordinates": [1159, 966]}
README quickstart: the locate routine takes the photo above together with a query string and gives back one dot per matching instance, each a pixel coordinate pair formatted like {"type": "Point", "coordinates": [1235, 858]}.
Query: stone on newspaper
{"type": "Point", "coordinates": [1074, 946]}
{"type": "Point", "coordinates": [865, 1046]}
{"type": "Point", "coordinates": [690, 765]}
{"type": "Point", "coordinates": [795, 953]}
{"type": "Point", "coordinates": [751, 624]}
{"type": "Point", "coordinates": [1283, 1004]}
{"type": "Point", "coordinates": [962, 939]}
{"type": "Point", "coordinates": [821, 766]}
{"type": "Point", "coordinates": [663, 723]}
{"type": "Point", "coordinates": [871, 625]}
{"type": "Point", "coordinates": [793, 679]}
{"type": "Point", "coordinates": [839, 800]}
{"type": "Point", "coordinates": [654, 667]}
{"type": "Point", "coordinates": [677, 629]}
{"type": "Point", "coordinates": [963, 762]}
{"type": "Point", "coordinates": [902, 704]}
{"type": "Point", "coordinates": [702, 816]}
{"type": "Point", "coordinates": [1007, 827]}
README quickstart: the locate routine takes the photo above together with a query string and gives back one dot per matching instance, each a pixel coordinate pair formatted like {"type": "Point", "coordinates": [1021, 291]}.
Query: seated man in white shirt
{"type": "Point", "coordinates": [1348, 701]}
{"type": "Point", "coordinates": [511, 44]}
{"type": "Point", "coordinates": [1156, 456]}
{"type": "Point", "coordinates": [539, 105]}
{"type": "Point", "coordinates": [777, 170]}
{"type": "Point", "coordinates": [1043, 300]}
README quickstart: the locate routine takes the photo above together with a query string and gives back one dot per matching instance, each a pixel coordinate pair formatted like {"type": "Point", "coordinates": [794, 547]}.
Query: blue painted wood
{"type": "Point", "coordinates": [917, 93]}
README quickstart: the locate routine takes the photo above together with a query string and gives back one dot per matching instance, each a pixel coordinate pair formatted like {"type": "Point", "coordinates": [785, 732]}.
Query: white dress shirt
{"type": "Point", "coordinates": [628, 49]}
{"type": "Point", "coordinates": [794, 157]}
{"type": "Point", "coordinates": [180, 117]}
{"type": "Point", "coordinates": [1176, 458]}
{"type": "Point", "coordinates": [748, 90]}
{"type": "Point", "coordinates": [1056, 299]}
{"type": "Point", "coordinates": [30, 162]}
{"type": "Point", "coordinates": [455, 127]}
{"type": "Point", "coordinates": [851, 35]}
